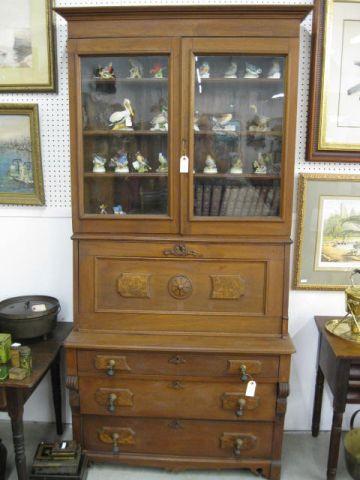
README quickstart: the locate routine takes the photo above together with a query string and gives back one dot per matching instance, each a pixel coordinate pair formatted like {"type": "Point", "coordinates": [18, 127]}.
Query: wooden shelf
{"type": "Point", "coordinates": [124, 175]}
{"type": "Point", "coordinates": [110, 133]}
{"type": "Point", "coordinates": [237, 134]}
{"type": "Point", "coordinates": [133, 81]}
{"type": "Point", "coordinates": [236, 176]}
{"type": "Point", "coordinates": [236, 81]}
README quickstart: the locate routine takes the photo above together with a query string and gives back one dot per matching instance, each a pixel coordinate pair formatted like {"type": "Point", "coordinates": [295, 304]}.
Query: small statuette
{"type": "Point", "coordinates": [204, 70]}
{"type": "Point", "coordinates": [120, 162]}
{"type": "Point", "coordinates": [160, 119]}
{"type": "Point", "coordinates": [210, 165]}
{"type": "Point", "coordinates": [105, 73]}
{"type": "Point", "coordinates": [103, 208]}
{"type": "Point", "coordinates": [236, 164]}
{"type": "Point", "coordinates": [136, 68]}
{"type": "Point", "coordinates": [118, 210]}
{"type": "Point", "coordinates": [123, 120]}
{"type": "Point", "coordinates": [231, 71]}
{"type": "Point", "coordinates": [260, 165]}
{"type": "Point", "coordinates": [259, 123]}
{"type": "Point", "coordinates": [163, 164]}
{"type": "Point", "coordinates": [99, 164]}
{"type": "Point", "coordinates": [196, 122]}
{"type": "Point", "coordinates": [252, 71]}
{"type": "Point", "coordinates": [275, 71]}
{"type": "Point", "coordinates": [222, 122]}
{"type": "Point", "coordinates": [140, 165]}
{"type": "Point", "coordinates": [157, 70]}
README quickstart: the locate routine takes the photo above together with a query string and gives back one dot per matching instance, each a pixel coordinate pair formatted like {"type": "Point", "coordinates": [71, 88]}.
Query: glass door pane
{"type": "Point", "coordinates": [238, 130]}
{"type": "Point", "coordinates": [125, 135]}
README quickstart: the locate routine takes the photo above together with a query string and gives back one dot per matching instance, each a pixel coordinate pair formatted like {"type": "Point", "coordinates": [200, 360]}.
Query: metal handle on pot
{"type": "Point", "coordinates": [352, 419]}
{"type": "Point", "coordinates": [353, 273]}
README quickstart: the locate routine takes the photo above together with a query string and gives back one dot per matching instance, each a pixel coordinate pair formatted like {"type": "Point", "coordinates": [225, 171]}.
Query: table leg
{"type": "Point", "coordinates": [3, 455]}
{"type": "Point", "coordinates": [334, 444]}
{"type": "Point", "coordinates": [319, 388]}
{"type": "Point", "coordinates": [15, 403]}
{"type": "Point", "coordinates": [56, 389]}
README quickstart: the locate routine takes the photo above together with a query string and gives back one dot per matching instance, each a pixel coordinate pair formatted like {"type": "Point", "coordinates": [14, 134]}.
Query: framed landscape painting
{"type": "Point", "coordinates": [328, 239]}
{"type": "Point", "coordinates": [21, 180]}
{"type": "Point", "coordinates": [26, 46]}
{"type": "Point", "coordinates": [334, 116]}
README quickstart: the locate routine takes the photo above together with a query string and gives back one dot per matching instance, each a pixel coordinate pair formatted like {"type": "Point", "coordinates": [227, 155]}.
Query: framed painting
{"type": "Point", "coordinates": [328, 236]}
{"type": "Point", "coordinates": [21, 180]}
{"type": "Point", "coordinates": [334, 116]}
{"type": "Point", "coordinates": [27, 53]}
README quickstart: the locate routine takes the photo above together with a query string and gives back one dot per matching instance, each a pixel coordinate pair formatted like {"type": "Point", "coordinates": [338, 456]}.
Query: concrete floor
{"type": "Point", "coordinates": [304, 458]}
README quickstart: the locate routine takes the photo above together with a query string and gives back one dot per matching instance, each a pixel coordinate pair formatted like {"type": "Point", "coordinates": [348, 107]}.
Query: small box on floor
{"type": "Point", "coordinates": [59, 460]}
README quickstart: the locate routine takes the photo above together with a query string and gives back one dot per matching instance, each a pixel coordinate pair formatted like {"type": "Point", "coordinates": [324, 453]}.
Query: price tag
{"type": "Point", "coordinates": [184, 164]}
{"type": "Point", "coordinates": [250, 389]}
{"type": "Point", "coordinates": [41, 307]}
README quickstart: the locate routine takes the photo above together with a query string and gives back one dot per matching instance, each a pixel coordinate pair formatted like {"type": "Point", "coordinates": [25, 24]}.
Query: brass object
{"type": "Point", "coordinates": [238, 445]}
{"type": "Point", "coordinates": [114, 397]}
{"type": "Point", "coordinates": [181, 250]}
{"type": "Point", "coordinates": [352, 449]}
{"type": "Point", "coordinates": [177, 360]}
{"type": "Point", "coordinates": [251, 366]}
{"type": "Point", "coordinates": [112, 402]}
{"type": "Point", "coordinates": [180, 287]}
{"type": "Point", "coordinates": [116, 437]}
{"type": "Point", "coordinates": [110, 363]}
{"type": "Point", "coordinates": [244, 375]}
{"type": "Point", "coordinates": [348, 327]}
{"type": "Point", "coordinates": [134, 285]}
{"type": "Point", "coordinates": [239, 403]}
{"type": "Point", "coordinates": [240, 410]}
{"type": "Point", "coordinates": [227, 287]}
{"type": "Point", "coordinates": [238, 442]}
{"type": "Point", "coordinates": [110, 371]}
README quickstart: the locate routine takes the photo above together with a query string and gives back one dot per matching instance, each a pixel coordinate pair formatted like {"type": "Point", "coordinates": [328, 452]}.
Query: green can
{"type": "Point", "coordinates": [5, 344]}
{"type": "Point", "coordinates": [4, 373]}
{"type": "Point", "coordinates": [26, 359]}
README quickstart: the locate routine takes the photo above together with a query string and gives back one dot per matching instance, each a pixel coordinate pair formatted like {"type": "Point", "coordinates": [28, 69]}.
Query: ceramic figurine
{"type": "Point", "coordinates": [231, 71]}
{"type": "Point", "coordinates": [163, 163]}
{"type": "Point", "coordinates": [259, 123]}
{"type": "Point", "coordinates": [275, 71]}
{"type": "Point", "coordinates": [204, 122]}
{"type": "Point", "coordinates": [260, 165]}
{"type": "Point", "coordinates": [196, 122]}
{"type": "Point", "coordinates": [103, 208]}
{"type": "Point", "coordinates": [140, 165]}
{"type": "Point", "coordinates": [123, 120]}
{"type": "Point", "coordinates": [160, 120]}
{"type": "Point", "coordinates": [210, 165]}
{"type": "Point", "coordinates": [204, 70]}
{"type": "Point", "coordinates": [120, 162]}
{"type": "Point", "coordinates": [99, 164]}
{"type": "Point", "coordinates": [118, 210]}
{"type": "Point", "coordinates": [136, 69]}
{"type": "Point", "coordinates": [252, 71]}
{"type": "Point", "coordinates": [236, 164]}
{"type": "Point", "coordinates": [221, 122]}
{"type": "Point", "coordinates": [105, 73]}
{"type": "Point", "coordinates": [157, 71]}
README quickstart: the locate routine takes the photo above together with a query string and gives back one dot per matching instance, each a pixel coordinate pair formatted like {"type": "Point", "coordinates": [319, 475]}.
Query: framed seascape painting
{"type": "Point", "coordinates": [334, 113]}
{"type": "Point", "coordinates": [26, 46]}
{"type": "Point", "coordinates": [21, 180]}
{"type": "Point", "coordinates": [328, 237]}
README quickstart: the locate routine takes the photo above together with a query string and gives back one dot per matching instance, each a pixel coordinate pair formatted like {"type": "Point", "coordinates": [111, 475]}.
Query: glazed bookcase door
{"type": "Point", "coordinates": [126, 117]}
{"type": "Point", "coordinates": [239, 133]}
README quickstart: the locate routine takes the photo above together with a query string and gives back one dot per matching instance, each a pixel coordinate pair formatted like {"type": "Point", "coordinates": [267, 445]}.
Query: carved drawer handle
{"type": "Point", "coordinates": [181, 250]}
{"type": "Point", "coordinates": [238, 445]}
{"type": "Point", "coordinates": [244, 375]}
{"type": "Point", "coordinates": [241, 406]}
{"type": "Point", "coordinates": [110, 368]}
{"type": "Point", "coordinates": [115, 438]}
{"type": "Point", "coordinates": [112, 403]}
{"type": "Point", "coordinates": [177, 360]}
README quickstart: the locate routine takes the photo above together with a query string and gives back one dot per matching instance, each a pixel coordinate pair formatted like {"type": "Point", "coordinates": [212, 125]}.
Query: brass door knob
{"type": "Point", "coordinates": [110, 368]}
{"type": "Point", "coordinates": [238, 444]}
{"type": "Point", "coordinates": [241, 407]}
{"type": "Point", "coordinates": [112, 403]}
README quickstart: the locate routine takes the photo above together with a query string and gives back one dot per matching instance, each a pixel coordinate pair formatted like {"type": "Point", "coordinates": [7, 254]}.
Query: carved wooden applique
{"type": "Point", "coordinates": [227, 287]}
{"type": "Point", "coordinates": [228, 440]}
{"type": "Point", "coordinates": [125, 436]}
{"type": "Point", "coordinates": [123, 397]}
{"type": "Point", "coordinates": [134, 285]}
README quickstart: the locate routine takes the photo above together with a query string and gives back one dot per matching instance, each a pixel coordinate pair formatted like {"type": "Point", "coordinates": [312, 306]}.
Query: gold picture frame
{"type": "Point", "coordinates": [21, 178]}
{"type": "Point", "coordinates": [27, 48]}
{"type": "Point", "coordinates": [327, 242]}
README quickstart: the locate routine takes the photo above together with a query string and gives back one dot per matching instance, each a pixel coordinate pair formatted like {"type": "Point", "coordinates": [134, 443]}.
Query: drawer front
{"type": "Point", "coordinates": [114, 364]}
{"type": "Point", "coordinates": [177, 437]}
{"type": "Point", "coordinates": [176, 398]}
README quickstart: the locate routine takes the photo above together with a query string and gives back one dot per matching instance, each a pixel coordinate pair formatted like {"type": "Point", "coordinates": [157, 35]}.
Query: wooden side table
{"type": "Point", "coordinates": [46, 356]}
{"type": "Point", "coordinates": [338, 362]}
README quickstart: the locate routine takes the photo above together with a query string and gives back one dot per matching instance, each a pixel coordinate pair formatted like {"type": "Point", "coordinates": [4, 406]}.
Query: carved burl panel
{"type": "Point", "coordinates": [227, 287]}
{"type": "Point", "coordinates": [134, 285]}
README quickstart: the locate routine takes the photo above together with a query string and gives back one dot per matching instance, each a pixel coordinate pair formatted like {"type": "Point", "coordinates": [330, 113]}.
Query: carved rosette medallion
{"type": "Point", "coordinates": [180, 287]}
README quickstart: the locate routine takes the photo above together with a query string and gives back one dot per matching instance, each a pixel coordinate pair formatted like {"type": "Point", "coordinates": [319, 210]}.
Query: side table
{"type": "Point", "coordinates": [338, 362]}
{"type": "Point", "coordinates": [45, 356]}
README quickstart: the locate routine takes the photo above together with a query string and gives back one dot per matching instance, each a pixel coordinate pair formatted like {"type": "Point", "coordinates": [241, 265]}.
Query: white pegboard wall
{"type": "Point", "coordinates": [53, 108]}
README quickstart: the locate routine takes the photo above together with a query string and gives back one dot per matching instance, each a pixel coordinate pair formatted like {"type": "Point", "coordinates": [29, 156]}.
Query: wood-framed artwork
{"type": "Point", "coordinates": [21, 179]}
{"type": "Point", "coordinates": [27, 52]}
{"type": "Point", "coordinates": [334, 116]}
{"type": "Point", "coordinates": [328, 235]}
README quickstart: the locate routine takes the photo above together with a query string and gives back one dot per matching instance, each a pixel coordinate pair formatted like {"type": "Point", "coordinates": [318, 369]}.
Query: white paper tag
{"type": "Point", "coordinates": [184, 164]}
{"type": "Point", "coordinates": [41, 307]}
{"type": "Point", "coordinates": [250, 388]}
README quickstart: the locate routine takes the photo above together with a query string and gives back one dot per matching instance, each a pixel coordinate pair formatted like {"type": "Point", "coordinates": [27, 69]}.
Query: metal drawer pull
{"type": "Point", "coordinates": [110, 368]}
{"type": "Point", "coordinates": [115, 438]}
{"type": "Point", "coordinates": [241, 405]}
{"type": "Point", "coordinates": [238, 444]}
{"type": "Point", "coordinates": [244, 376]}
{"type": "Point", "coordinates": [112, 403]}
{"type": "Point", "coordinates": [177, 360]}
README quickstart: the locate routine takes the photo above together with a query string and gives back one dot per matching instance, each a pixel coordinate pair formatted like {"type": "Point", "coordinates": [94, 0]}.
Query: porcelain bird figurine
{"type": "Point", "coordinates": [123, 120]}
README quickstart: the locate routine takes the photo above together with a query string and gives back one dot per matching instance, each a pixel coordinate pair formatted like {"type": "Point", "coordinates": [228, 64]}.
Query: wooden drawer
{"type": "Point", "coordinates": [176, 398]}
{"type": "Point", "coordinates": [177, 437]}
{"type": "Point", "coordinates": [156, 363]}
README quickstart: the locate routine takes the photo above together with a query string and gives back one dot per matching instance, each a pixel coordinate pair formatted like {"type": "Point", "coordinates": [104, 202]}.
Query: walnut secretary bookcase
{"type": "Point", "coordinates": [183, 124]}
